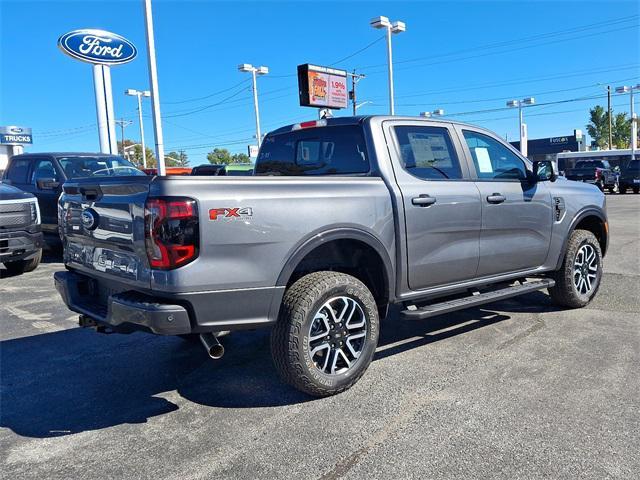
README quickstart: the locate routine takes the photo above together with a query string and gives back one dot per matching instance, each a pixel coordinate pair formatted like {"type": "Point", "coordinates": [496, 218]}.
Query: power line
{"type": "Point", "coordinates": [357, 52]}
{"type": "Point", "coordinates": [246, 80]}
{"type": "Point", "coordinates": [566, 31]}
{"type": "Point", "coordinates": [501, 51]}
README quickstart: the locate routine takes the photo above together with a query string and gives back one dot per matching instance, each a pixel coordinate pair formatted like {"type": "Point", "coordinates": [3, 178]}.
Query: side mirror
{"type": "Point", "coordinates": [47, 183]}
{"type": "Point", "coordinates": [544, 170]}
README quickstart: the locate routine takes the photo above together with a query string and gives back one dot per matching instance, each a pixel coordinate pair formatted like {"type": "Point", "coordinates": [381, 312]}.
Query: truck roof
{"type": "Point", "coordinates": [359, 119]}
{"type": "Point", "coordinates": [66, 154]}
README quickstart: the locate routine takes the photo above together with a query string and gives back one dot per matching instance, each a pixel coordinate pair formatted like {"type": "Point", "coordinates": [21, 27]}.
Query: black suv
{"type": "Point", "coordinates": [630, 177]}
{"type": "Point", "coordinates": [43, 174]}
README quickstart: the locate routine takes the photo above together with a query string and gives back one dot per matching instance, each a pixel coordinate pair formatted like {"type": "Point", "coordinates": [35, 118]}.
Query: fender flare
{"type": "Point", "coordinates": [341, 233]}
{"type": "Point", "coordinates": [581, 215]}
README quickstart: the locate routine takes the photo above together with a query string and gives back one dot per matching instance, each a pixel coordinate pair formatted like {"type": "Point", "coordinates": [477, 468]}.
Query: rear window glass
{"type": "Point", "coordinates": [81, 167]}
{"type": "Point", "coordinates": [314, 151]}
{"type": "Point", "coordinates": [634, 165]}
{"type": "Point", "coordinates": [592, 164]}
{"type": "Point", "coordinates": [18, 170]}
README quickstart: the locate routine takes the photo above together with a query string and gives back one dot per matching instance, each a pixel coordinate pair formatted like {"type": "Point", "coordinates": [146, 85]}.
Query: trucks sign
{"type": "Point", "coordinates": [15, 136]}
{"type": "Point", "coordinates": [322, 87]}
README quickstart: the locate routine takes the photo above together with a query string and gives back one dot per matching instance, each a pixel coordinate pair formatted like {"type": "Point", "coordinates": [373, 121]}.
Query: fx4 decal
{"type": "Point", "coordinates": [230, 213]}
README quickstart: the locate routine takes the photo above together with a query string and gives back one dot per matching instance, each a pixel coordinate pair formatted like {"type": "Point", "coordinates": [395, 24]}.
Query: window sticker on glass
{"type": "Point", "coordinates": [484, 161]}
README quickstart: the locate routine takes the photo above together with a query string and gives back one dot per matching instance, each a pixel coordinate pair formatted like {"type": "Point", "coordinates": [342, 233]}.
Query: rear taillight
{"type": "Point", "coordinates": [171, 231]}
{"type": "Point", "coordinates": [598, 173]}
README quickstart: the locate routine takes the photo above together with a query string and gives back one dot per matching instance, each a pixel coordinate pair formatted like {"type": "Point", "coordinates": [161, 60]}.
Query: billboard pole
{"type": "Point", "coordinates": [155, 95]}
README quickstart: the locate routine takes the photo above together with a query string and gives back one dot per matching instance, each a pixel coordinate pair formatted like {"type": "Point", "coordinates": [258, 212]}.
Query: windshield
{"type": "Point", "coordinates": [82, 167]}
{"type": "Point", "coordinates": [591, 164]}
{"type": "Point", "coordinates": [634, 165]}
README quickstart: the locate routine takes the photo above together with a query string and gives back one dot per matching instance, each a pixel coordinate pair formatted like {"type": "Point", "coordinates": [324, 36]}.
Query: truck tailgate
{"type": "Point", "coordinates": [103, 225]}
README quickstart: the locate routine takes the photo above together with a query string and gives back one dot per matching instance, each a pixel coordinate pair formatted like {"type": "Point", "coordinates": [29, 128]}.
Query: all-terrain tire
{"type": "Point", "coordinates": [23, 266]}
{"type": "Point", "coordinates": [565, 293]}
{"type": "Point", "coordinates": [290, 340]}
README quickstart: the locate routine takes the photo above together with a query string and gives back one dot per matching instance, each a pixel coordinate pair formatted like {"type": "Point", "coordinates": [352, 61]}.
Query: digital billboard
{"type": "Point", "coordinates": [322, 87]}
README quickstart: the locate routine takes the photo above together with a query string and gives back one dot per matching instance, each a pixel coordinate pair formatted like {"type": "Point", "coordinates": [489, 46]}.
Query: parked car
{"type": "Point", "coordinates": [209, 169]}
{"type": "Point", "coordinates": [20, 235]}
{"type": "Point", "coordinates": [345, 217]}
{"type": "Point", "coordinates": [630, 177]}
{"type": "Point", "coordinates": [597, 172]}
{"type": "Point", "coordinates": [42, 174]}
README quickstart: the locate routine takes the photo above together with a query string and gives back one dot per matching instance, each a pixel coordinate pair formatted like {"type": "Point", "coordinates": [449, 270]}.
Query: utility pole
{"type": "Point", "coordinates": [140, 93]}
{"type": "Point", "coordinates": [609, 110]}
{"type": "Point", "coordinates": [123, 123]}
{"type": "Point", "coordinates": [355, 78]}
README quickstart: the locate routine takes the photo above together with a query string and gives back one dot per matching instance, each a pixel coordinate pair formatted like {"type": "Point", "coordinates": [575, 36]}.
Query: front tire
{"type": "Point", "coordinates": [578, 280]}
{"type": "Point", "coordinates": [326, 333]}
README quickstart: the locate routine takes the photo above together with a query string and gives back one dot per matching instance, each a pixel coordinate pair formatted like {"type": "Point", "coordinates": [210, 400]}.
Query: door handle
{"type": "Point", "coordinates": [423, 200]}
{"type": "Point", "coordinates": [496, 198]}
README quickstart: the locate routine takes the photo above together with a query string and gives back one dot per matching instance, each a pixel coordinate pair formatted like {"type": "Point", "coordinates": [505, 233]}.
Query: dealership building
{"type": "Point", "coordinates": [548, 148]}
{"type": "Point", "coordinates": [12, 142]}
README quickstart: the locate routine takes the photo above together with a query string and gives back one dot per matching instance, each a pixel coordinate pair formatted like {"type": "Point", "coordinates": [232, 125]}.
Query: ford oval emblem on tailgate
{"type": "Point", "coordinates": [89, 219]}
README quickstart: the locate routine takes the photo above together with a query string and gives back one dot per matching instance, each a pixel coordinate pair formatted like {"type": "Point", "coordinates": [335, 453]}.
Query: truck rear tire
{"type": "Point", "coordinates": [326, 333]}
{"type": "Point", "coordinates": [578, 280]}
{"type": "Point", "coordinates": [23, 266]}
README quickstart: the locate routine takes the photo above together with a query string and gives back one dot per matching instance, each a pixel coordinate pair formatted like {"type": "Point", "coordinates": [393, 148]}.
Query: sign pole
{"type": "Point", "coordinates": [155, 95]}
{"type": "Point", "coordinates": [101, 108]}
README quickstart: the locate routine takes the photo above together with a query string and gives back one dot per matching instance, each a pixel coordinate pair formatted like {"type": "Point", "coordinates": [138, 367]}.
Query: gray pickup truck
{"type": "Point", "coordinates": [342, 218]}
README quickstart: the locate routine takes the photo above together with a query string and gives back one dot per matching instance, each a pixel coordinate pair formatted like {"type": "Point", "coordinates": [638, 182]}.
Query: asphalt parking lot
{"type": "Point", "coordinates": [517, 389]}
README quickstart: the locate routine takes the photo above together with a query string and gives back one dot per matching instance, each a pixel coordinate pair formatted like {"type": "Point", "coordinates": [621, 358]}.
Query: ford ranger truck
{"type": "Point", "coordinates": [342, 218]}
{"type": "Point", "coordinates": [20, 235]}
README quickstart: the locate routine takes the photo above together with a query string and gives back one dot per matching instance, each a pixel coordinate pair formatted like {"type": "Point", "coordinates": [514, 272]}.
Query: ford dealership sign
{"type": "Point", "coordinates": [97, 46]}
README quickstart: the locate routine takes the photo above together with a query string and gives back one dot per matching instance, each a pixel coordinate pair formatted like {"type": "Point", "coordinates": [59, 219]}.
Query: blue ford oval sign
{"type": "Point", "coordinates": [97, 46]}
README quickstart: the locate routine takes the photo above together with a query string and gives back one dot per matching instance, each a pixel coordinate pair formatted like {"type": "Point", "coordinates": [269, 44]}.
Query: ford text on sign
{"type": "Point", "coordinates": [15, 135]}
{"type": "Point", "coordinates": [97, 46]}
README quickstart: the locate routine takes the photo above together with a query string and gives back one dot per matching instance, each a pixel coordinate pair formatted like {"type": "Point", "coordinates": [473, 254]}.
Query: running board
{"type": "Point", "coordinates": [431, 310]}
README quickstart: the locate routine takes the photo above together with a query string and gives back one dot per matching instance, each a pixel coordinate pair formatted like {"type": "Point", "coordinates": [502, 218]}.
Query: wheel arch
{"type": "Point", "coordinates": [344, 249]}
{"type": "Point", "coordinates": [590, 219]}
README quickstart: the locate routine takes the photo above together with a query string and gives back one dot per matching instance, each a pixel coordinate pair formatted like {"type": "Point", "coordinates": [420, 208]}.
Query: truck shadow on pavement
{"type": "Point", "coordinates": [74, 380]}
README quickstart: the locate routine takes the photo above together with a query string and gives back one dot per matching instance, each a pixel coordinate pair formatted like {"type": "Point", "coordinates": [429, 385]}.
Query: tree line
{"type": "Point", "coordinates": [218, 156]}
{"type": "Point", "coordinates": [598, 128]}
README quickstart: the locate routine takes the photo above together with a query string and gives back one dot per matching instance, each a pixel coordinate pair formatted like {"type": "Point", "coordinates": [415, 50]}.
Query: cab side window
{"type": "Point", "coordinates": [494, 161]}
{"type": "Point", "coordinates": [43, 169]}
{"type": "Point", "coordinates": [427, 152]}
{"type": "Point", "coordinates": [18, 171]}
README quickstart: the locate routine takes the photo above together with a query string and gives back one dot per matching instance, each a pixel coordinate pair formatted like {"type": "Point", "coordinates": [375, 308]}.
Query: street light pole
{"type": "Point", "coordinates": [391, 28]}
{"type": "Point", "coordinates": [155, 93]}
{"type": "Point", "coordinates": [246, 67]}
{"type": "Point", "coordinates": [522, 125]}
{"type": "Point", "coordinates": [140, 93]}
{"type": "Point", "coordinates": [634, 123]}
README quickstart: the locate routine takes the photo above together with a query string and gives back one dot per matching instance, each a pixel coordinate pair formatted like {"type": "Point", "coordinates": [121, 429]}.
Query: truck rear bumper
{"type": "Point", "coordinates": [171, 314]}
{"type": "Point", "coordinates": [19, 245]}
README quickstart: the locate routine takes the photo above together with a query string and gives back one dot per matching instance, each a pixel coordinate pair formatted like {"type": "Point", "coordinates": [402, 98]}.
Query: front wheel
{"type": "Point", "coordinates": [326, 333]}
{"type": "Point", "coordinates": [578, 280]}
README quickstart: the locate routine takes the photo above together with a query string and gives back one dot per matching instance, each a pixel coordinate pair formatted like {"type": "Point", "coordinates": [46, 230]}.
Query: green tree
{"type": "Point", "coordinates": [240, 158]}
{"type": "Point", "coordinates": [598, 128]}
{"type": "Point", "coordinates": [180, 159]}
{"type": "Point", "coordinates": [135, 156]}
{"type": "Point", "coordinates": [621, 127]}
{"type": "Point", "coordinates": [219, 156]}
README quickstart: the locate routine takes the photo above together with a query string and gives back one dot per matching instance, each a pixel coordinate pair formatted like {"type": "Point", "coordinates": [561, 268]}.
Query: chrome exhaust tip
{"type": "Point", "coordinates": [212, 345]}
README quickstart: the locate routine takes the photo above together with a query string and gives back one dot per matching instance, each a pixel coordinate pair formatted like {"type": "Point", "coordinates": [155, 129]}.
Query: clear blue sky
{"type": "Point", "coordinates": [459, 56]}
